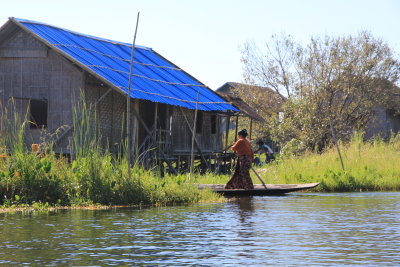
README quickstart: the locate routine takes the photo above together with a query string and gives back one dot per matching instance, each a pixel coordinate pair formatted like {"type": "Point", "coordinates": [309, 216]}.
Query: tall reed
{"type": "Point", "coordinates": [12, 127]}
{"type": "Point", "coordinates": [93, 175]}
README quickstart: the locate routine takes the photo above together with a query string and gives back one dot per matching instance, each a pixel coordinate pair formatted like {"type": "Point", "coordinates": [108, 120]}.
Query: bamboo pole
{"type": "Point", "coordinates": [193, 136]}
{"type": "Point", "coordinates": [128, 101]}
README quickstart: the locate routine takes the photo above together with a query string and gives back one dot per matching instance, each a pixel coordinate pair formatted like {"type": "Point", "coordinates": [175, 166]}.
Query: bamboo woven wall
{"type": "Point", "coordinates": [182, 137]}
{"type": "Point", "coordinates": [29, 70]}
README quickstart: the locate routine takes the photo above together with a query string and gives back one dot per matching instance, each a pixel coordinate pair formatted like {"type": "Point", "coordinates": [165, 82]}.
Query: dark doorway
{"type": "Point", "coordinates": [38, 113]}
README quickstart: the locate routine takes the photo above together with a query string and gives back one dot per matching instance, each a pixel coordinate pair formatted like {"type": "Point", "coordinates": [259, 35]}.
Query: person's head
{"type": "Point", "coordinates": [243, 133]}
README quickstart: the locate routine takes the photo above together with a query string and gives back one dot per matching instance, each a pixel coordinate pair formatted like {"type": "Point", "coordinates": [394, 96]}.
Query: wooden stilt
{"type": "Point", "coordinates": [155, 115]}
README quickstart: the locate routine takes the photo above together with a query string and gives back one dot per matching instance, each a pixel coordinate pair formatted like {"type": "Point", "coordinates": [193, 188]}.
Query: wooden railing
{"type": "Point", "coordinates": [149, 150]}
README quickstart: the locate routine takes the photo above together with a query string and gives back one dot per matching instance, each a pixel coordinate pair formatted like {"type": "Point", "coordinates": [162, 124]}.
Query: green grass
{"type": "Point", "coordinates": [369, 166]}
{"type": "Point", "coordinates": [27, 178]}
{"type": "Point", "coordinates": [93, 176]}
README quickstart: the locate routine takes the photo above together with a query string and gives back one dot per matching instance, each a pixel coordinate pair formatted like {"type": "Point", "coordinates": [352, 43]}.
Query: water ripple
{"type": "Point", "coordinates": [301, 229]}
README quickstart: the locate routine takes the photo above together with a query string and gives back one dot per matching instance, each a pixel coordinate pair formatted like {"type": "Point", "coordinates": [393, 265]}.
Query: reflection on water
{"type": "Point", "coordinates": [296, 230]}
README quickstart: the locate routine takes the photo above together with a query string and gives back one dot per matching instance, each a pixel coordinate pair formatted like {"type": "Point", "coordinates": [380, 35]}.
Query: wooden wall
{"type": "Point", "coordinates": [29, 69]}
{"type": "Point", "coordinates": [182, 137]}
{"type": "Point", "coordinates": [110, 111]}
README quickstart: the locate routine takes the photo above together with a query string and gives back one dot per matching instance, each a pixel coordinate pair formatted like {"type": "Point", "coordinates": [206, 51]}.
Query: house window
{"type": "Point", "coordinates": [199, 122]}
{"type": "Point", "coordinates": [213, 124]}
{"type": "Point", "coordinates": [38, 113]}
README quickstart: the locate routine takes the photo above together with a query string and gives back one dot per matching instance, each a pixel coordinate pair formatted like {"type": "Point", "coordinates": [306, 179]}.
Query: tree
{"type": "Point", "coordinates": [334, 80]}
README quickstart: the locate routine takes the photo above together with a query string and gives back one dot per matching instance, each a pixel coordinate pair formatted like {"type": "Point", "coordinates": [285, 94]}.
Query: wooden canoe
{"type": "Point", "coordinates": [259, 190]}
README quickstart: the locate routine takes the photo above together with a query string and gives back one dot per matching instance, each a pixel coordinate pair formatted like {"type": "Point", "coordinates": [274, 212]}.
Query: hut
{"type": "Point", "coordinates": [255, 104]}
{"type": "Point", "coordinates": [44, 68]}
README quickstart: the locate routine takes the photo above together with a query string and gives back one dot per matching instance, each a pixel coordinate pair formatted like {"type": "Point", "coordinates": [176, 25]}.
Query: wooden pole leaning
{"type": "Point", "coordinates": [128, 102]}
{"type": "Point", "coordinates": [336, 142]}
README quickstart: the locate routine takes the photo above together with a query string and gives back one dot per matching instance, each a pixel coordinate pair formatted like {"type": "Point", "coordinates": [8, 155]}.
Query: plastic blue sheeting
{"type": "Point", "coordinates": [154, 78]}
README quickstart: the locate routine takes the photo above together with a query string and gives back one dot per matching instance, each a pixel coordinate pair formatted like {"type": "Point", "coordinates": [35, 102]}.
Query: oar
{"type": "Point", "coordinates": [258, 176]}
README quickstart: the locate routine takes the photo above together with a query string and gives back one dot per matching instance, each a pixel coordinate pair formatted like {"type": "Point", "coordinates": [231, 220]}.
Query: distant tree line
{"type": "Point", "coordinates": [329, 84]}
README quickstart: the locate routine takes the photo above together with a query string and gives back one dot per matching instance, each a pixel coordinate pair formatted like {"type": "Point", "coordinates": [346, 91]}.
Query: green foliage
{"type": "Point", "coordinates": [330, 83]}
{"type": "Point", "coordinates": [12, 128]}
{"type": "Point", "coordinates": [94, 175]}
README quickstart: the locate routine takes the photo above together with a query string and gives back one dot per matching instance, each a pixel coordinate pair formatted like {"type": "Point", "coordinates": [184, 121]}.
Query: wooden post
{"type": "Point", "coordinates": [128, 102]}
{"type": "Point", "coordinates": [251, 127]}
{"type": "Point", "coordinates": [228, 120]}
{"type": "Point", "coordinates": [194, 136]}
{"type": "Point", "coordinates": [237, 125]}
{"type": "Point", "coordinates": [155, 116]}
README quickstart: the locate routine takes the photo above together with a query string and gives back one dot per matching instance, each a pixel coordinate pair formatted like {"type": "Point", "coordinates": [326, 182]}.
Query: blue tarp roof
{"type": "Point", "coordinates": [154, 78]}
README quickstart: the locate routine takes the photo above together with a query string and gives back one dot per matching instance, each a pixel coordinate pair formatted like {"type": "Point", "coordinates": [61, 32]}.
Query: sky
{"type": "Point", "coordinates": [204, 37]}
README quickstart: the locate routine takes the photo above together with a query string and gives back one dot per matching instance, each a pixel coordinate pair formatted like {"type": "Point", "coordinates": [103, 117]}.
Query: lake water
{"type": "Point", "coordinates": [295, 230]}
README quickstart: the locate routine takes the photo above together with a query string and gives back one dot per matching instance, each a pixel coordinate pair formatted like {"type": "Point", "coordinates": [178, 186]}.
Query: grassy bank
{"type": "Point", "coordinates": [27, 178]}
{"type": "Point", "coordinates": [92, 176]}
{"type": "Point", "coordinates": [369, 166]}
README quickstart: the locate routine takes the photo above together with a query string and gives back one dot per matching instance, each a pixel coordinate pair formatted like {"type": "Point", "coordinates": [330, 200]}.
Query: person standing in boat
{"type": "Point", "coordinates": [241, 177]}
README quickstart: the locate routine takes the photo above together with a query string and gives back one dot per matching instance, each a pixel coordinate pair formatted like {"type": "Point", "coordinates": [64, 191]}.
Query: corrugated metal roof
{"type": "Point", "coordinates": [154, 78]}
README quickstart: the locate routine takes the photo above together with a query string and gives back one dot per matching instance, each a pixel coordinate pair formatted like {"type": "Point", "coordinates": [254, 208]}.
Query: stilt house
{"type": "Point", "coordinates": [43, 69]}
